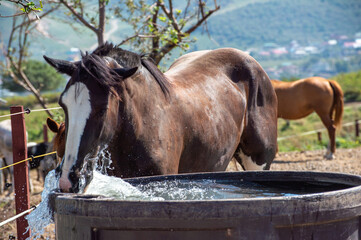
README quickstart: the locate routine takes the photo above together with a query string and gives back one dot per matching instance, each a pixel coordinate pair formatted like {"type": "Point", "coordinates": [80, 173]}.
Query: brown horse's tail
{"type": "Point", "coordinates": [337, 105]}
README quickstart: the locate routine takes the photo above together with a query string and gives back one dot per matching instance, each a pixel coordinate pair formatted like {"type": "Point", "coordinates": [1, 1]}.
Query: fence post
{"type": "Point", "coordinates": [319, 136]}
{"type": "Point", "coordinates": [21, 171]}
{"type": "Point", "coordinates": [357, 132]}
{"type": "Point", "coordinates": [45, 133]}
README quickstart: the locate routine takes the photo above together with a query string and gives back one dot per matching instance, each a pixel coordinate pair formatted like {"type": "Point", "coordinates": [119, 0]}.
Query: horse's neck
{"type": "Point", "coordinates": [143, 90]}
{"type": "Point", "coordinates": [142, 98]}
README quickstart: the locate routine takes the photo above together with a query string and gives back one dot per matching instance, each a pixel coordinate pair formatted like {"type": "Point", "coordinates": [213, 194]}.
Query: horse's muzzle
{"type": "Point", "coordinates": [64, 182]}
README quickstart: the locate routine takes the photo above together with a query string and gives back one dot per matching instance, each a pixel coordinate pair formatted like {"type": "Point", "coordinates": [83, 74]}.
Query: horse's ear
{"type": "Point", "coordinates": [125, 72]}
{"type": "Point", "coordinates": [62, 65]}
{"type": "Point", "coordinates": [53, 126]}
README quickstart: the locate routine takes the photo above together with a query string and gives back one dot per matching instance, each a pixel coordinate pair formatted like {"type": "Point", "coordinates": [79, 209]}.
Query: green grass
{"type": "Point", "coordinates": [345, 137]}
{"type": "Point", "coordinates": [35, 120]}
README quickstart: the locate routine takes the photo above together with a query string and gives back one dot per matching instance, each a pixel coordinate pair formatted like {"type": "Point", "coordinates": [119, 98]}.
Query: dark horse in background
{"type": "Point", "coordinates": [300, 98]}
{"type": "Point", "coordinates": [208, 107]}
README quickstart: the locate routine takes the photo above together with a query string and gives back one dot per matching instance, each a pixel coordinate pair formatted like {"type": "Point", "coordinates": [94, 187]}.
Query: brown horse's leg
{"type": "Point", "coordinates": [328, 122]}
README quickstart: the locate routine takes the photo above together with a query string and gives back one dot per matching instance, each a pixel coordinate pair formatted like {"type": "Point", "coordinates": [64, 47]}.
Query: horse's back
{"type": "Point", "coordinates": [300, 98]}
{"type": "Point", "coordinates": [209, 61]}
{"type": "Point", "coordinates": [185, 60]}
{"type": "Point", "coordinates": [225, 64]}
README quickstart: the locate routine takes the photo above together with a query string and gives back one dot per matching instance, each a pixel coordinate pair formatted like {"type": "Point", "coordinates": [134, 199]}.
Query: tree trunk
{"type": "Point", "coordinates": [100, 32]}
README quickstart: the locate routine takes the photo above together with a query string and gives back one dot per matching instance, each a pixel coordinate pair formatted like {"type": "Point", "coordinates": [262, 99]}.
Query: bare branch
{"type": "Point", "coordinates": [78, 16]}
{"type": "Point", "coordinates": [157, 56]}
{"type": "Point", "coordinates": [34, 19]}
{"type": "Point", "coordinates": [186, 9]}
{"type": "Point", "coordinates": [100, 30]}
{"type": "Point", "coordinates": [14, 67]}
{"type": "Point", "coordinates": [155, 41]}
{"type": "Point", "coordinates": [15, 15]}
{"type": "Point", "coordinates": [170, 16]}
{"type": "Point", "coordinates": [135, 36]}
{"type": "Point", "coordinates": [203, 19]}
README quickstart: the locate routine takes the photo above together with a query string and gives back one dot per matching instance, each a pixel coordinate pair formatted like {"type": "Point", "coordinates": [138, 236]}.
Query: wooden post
{"type": "Point", "coordinates": [45, 133]}
{"type": "Point", "coordinates": [319, 136]}
{"type": "Point", "coordinates": [21, 171]}
{"type": "Point", "coordinates": [357, 128]}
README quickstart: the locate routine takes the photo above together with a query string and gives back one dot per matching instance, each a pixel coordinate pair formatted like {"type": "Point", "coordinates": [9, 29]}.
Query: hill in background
{"type": "Point", "coordinates": [281, 22]}
{"type": "Point", "coordinates": [290, 38]}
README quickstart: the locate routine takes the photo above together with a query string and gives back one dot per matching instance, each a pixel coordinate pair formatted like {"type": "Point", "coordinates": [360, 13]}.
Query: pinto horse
{"type": "Point", "coordinates": [207, 107]}
{"type": "Point", "coordinates": [300, 98]}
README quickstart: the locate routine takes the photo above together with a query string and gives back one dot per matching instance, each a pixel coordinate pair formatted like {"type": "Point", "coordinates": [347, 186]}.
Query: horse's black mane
{"type": "Point", "coordinates": [95, 65]}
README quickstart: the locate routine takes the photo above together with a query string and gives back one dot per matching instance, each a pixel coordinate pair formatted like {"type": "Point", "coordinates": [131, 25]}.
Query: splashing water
{"type": "Point", "coordinates": [114, 187]}
{"type": "Point", "coordinates": [42, 216]}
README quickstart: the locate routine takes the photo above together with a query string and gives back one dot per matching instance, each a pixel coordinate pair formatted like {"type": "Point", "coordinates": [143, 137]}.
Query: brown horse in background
{"type": "Point", "coordinates": [300, 98]}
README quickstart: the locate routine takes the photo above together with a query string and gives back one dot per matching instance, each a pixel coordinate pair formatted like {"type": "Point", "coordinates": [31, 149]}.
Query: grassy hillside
{"type": "Point", "coordinates": [351, 85]}
{"type": "Point", "coordinates": [35, 120]}
{"type": "Point", "coordinates": [283, 21]}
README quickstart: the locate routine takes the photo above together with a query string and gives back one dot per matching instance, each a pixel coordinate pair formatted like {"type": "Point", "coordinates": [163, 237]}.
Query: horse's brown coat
{"type": "Point", "coordinates": [206, 107]}
{"type": "Point", "coordinates": [59, 137]}
{"type": "Point", "coordinates": [300, 98]}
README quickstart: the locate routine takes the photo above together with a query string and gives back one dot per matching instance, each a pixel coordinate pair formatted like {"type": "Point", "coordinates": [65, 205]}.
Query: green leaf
{"type": "Point", "coordinates": [163, 19]}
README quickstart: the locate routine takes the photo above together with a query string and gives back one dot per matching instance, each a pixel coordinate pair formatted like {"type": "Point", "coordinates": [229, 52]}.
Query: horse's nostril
{"type": "Point", "coordinates": [64, 185]}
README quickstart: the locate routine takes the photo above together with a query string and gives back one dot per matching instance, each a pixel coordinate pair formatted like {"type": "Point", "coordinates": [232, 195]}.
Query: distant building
{"type": "Point", "coordinates": [279, 51]}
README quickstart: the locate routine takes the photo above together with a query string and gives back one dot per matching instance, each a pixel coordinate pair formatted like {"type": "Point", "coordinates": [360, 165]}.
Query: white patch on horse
{"type": "Point", "coordinates": [249, 164]}
{"type": "Point", "coordinates": [77, 101]}
{"type": "Point", "coordinates": [329, 155]}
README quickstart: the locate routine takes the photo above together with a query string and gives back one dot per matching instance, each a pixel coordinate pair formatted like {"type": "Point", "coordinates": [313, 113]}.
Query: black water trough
{"type": "Point", "coordinates": [329, 208]}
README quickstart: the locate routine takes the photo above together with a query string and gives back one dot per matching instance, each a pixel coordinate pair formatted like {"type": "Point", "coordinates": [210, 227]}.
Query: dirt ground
{"type": "Point", "coordinates": [347, 161]}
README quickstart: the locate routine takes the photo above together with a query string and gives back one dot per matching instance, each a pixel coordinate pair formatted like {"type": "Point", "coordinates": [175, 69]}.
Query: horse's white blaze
{"type": "Point", "coordinates": [77, 101]}
{"type": "Point", "coordinates": [249, 164]}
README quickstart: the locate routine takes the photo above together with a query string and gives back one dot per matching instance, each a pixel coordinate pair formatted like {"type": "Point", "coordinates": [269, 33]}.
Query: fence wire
{"type": "Point", "coordinates": [311, 132]}
{"type": "Point", "coordinates": [18, 215]}
{"type": "Point", "coordinates": [28, 111]}
{"type": "Point", "coordinates": [28, 159]}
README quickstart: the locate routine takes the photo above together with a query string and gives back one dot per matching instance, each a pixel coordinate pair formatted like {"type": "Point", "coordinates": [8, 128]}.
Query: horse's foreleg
{"type": "Point", "coordinates": [2, 180]}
